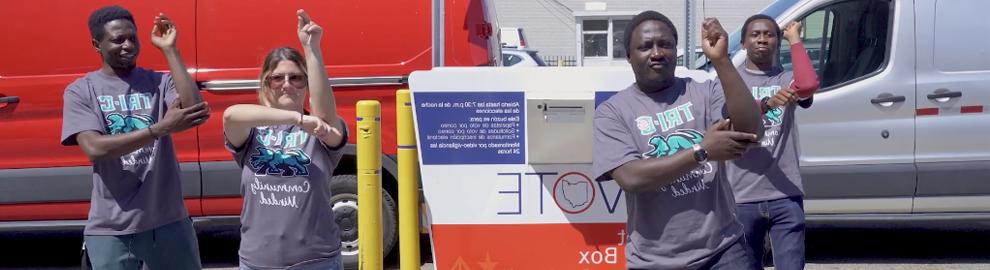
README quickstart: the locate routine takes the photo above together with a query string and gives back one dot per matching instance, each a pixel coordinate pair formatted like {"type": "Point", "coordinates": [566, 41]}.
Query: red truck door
{"type": "Point", "coordinates": [47, 46]}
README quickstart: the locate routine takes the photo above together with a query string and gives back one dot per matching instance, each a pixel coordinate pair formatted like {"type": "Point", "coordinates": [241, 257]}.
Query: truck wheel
{"type": "Point", "coordinates": [344, 203]}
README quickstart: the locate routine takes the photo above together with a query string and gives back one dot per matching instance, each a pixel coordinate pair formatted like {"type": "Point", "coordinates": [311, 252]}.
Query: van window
{"type": "Point", "coordinates": [845, 41]}
{"type": "Point", "coordinates": [961, 40]}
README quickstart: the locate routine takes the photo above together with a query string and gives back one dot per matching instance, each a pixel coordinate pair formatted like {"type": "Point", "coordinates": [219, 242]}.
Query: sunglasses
{"type": "Point", "coordinates": [276, 80]}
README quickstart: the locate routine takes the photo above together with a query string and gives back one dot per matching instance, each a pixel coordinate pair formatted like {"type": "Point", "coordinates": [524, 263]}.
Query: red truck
{"type": "Point", "coordinates": [370, 48]}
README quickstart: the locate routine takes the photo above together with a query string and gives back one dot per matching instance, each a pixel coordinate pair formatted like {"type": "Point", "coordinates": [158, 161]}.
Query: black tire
{"type": "Point", "coordinates": [344, 201]}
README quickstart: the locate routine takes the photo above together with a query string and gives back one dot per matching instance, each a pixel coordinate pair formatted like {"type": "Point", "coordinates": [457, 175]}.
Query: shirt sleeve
{"type": "Point", "coordinates": [240, 153]}
{"type": "Point", "coordinates": [168, 89]}
{"type": "Point", "coordinates": [343, 139]}
{"type": "Point", "coordinates": [79, 113]}
{"type": "Point", "coordinates": [805, 79]}
{"type": "Point", "coordinates": [613, 143]}
{"type": "Point", "coordinates": [716, 102]}
{"type": "Point", "coordinates": [334, 152]}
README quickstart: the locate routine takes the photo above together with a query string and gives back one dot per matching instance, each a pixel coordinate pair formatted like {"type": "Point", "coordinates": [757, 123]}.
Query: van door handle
{"type": "Point", "coordinates": [887, 98]}
{"type": "Point", "coordinates": [944, 95]}
{"type": "Point", "coordinates": [10, 99]}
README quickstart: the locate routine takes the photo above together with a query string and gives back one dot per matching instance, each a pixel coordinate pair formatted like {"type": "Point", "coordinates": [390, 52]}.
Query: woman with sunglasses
{"type": "Point", "coordinates": [287, 158]}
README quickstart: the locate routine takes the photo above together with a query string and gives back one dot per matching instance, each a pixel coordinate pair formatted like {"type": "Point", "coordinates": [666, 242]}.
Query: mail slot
{"type": "Point", "coordinates": [559, 131]}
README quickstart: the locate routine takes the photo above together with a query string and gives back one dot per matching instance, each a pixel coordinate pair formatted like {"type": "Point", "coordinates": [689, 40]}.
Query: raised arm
{"type": "Point", "coordinates": [744, 113]}
{"type": "Point", "coordinates": [97, 146]}
{"type": "Point", "coordinates": [640, 175]}
{"type": "Point", "coordinates": [239, 119]}
{"type": "Point", "coordinates": [321, 99]}
{"type": "Point", "coordinates": [805, 79]}
{"type": "Point", "coordinates": [163, 36]}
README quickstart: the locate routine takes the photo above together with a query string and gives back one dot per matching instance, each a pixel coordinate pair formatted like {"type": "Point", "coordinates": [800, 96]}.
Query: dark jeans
{"type": "Point", "coordinates": [736, 257]}
{"type": "Point", "coordinates": [784, 220]}
{"type": "Point", "coordinates": [171, 246]}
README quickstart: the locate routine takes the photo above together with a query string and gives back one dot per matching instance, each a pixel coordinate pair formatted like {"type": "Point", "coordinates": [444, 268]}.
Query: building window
{"type": "Point", "coordinates": [595, 39]}
{"type": "Point", "coordinates": [601, 36]}
{"type": "Point", "coordinates": [618, 33]}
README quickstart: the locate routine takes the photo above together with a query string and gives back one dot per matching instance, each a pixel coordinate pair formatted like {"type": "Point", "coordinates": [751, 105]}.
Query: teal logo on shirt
{"type": "Point", "coordinates": [666, 120]}
{"type": "Point", "coordinates": [775, 116]}
{"type": "Point", "coordinates": [125, 103]}
{"type": "Point", "coordinates": [676, 141]}
{"type": "Point", "coordinates": [120, 124]}
{"type": "Point", "coordinates": [287, 163]}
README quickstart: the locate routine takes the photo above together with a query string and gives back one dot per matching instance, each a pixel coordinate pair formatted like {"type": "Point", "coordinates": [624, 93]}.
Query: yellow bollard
{"type": "Point", "coordinates": [369, 155]}
{"type": "Point", "coordinates": [408, 183]}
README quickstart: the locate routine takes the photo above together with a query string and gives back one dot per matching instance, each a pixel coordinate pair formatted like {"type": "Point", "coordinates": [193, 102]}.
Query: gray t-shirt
{"type": "Point", "coordinates": [287, 218]}
{"type": "Point", "coordinates": [771, 171]}
{"type": "Point", "coordinates": [141, 190]}
{"type": "Point", "coordinates": [683, 224]}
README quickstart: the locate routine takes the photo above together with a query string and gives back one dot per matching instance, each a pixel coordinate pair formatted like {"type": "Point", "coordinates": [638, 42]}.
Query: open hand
{"type": "Point", "coordinates": [178, 119]}
{"type": "Point", "coordinates": [724, 144]}
{"type": "Point", "coordinates": [163, 33]}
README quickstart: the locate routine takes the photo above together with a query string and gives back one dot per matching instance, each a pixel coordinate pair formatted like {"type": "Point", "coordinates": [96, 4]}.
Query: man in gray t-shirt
{"type": "Point", "coordinates": [766, 181]}
{"type": "Point", "coordinates": [664, 140]}
{"type": "Point", "coordinates": [120, 117]}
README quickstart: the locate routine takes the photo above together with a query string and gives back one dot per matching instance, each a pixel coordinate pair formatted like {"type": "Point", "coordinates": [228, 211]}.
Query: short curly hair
{"type": "Point", "coordinates": [644, 16]}
{"type": "Point", "coordinates": [100, 17]}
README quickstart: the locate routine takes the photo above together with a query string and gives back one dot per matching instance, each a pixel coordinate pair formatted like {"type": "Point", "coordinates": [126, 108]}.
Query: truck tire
{"type": "Point", "coordinates": [344, 203]}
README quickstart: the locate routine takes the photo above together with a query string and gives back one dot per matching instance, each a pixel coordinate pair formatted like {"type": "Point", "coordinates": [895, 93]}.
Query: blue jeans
{"type": "Point", "coordinates": [736, 257]}
{"type": "Point", "coordinates": [784, 220]}
{"type": "Point", "coordinates": [332, 263]}
{"type": "Point", "coordinates": [171, 246]}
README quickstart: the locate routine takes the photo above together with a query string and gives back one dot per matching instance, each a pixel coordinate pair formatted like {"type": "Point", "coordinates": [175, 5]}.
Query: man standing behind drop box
{"type": "Point", "coordinates": [119, 118]}
{"type": "Point", "coordinates": [664, 140]}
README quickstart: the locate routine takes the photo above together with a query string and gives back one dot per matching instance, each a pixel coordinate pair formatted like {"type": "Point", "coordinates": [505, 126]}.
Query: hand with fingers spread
{"type": "Point", "coordinates": [163, 33]}
{"type": "Point", "coordinates": [721, 143]}
{"type": "Point", "coordinates": [714, 39]}
{"type": "Point", "coordinates": [792, 32]}
{"type": "Point", "coordinates": [784, 97]}
{"type": "Point", "coordinates": [178, 119]}
{"type": "Point", "coordinates": [309, 32]}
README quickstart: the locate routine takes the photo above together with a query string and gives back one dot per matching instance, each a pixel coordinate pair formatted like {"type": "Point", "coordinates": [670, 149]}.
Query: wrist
{"type": "Point", "coordinates": [699, 154]}
{"type": "Point", "coordinates": [155, 131]}
{"type": "Point", "coordinates": [722, 62]}
{"type": "Point", "coordinates": [169, 50]}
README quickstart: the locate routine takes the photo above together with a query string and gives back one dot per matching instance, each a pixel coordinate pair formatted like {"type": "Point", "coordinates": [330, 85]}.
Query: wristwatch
{"type": "Point", "coordinates": [765, 105]}
{"type": "Point", "coordinates": [700, 155]}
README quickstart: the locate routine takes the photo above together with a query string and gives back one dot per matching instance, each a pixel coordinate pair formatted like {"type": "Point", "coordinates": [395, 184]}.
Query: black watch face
{"type": "Point", "coordinates": [700, 155]}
